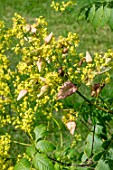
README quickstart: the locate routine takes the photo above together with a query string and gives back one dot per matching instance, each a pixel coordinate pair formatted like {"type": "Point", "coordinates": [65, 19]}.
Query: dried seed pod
{"type": "Point", "coordinates": [88, 57]}
{"type": "Point", "coordinates": [66, 90]}
{"type": "Point", "coordinates": [81, 61]}
{"type": "Point", "coordinates": [61, 72]}
{"type": "Point", "coordinates": [44, 90]}
{"type": "Point", "coordinates": [22, 93]}
{"type": "Point", "coordinates": [33, 30]}
{"type": "Point", "coordinates": [71, 125]}
{"type": "Point", "coordinates": [27, 27]}
{"type": "Point", "coordinates": [48, 38]}
{"type": "Point", "coordinates": [96, 89]}
{"type": "Point", "coordinates": [40, 64]}
{"type": "Point", "coordinates": [65, 50]}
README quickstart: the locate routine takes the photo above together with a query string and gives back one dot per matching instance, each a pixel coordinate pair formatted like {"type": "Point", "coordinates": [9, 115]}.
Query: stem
{"type": "Point", "coordinates": [103, 102]}
{"type": "Point", "coordinates": [99, 107]}
{"type": "Point", "coordinates": [93, 142]}
{"type": "Point", "coordinates": [84, 165]}
{"type": "Point", "coordinates": [86, 125]}
{"type": "Point", "coordinates": [61, 139]}
{"type": "Point", "coordinates": [69, 164]}
{"type": "Point", "coordinates": [21, 143]}
{"type": "Point", "coordinates": [62, 163]}
{"type": "Point", "coordinates": [29, 134]}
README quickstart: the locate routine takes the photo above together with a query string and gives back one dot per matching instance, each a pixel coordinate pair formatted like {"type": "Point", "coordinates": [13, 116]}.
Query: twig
{"type": "Point", "coordinates": [103, 102]}
{"type": "Point", "coordinates": [62, 163]}
{"type": "Point", "coordinates": [22, 143]}
{"type": "Point", "coordinates": [99, 107]}
{"type": "Point", "coordinates": [84, 165]}
{"type": "Point", "coordinates": [73, 164]}
{"type": "Point", "coordinates": [86, 125]}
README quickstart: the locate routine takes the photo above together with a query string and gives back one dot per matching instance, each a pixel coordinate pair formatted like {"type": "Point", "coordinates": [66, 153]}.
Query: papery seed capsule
{"type": "Point", "coordinates": [88, 57]}
{"type": "Point", "coordinates": [22, 93]}
{"type": "Point", "coordinates": [61, 72]}
{"type": "Point", "coordinates": [40, 64]}
{"type": "Point", "coordinates": [65, 50]}
{"type": "Point", "coordinates": [48, 38]}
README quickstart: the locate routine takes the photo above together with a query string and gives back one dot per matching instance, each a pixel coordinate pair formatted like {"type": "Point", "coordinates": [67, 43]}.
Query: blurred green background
{"type": "Point", "coordinates": [60, 23]}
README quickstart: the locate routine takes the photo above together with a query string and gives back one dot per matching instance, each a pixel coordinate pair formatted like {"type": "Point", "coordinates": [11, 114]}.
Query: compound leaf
{"type": "Point", "coordinates": [45, 146]}
{"type": "Point", "coordinates": [91, 13]}
{"type": "Point", "coordinates": [42, 162]}
{"type": "Point", "coordinates": [104, 165]}
{"type": "Point", "coordinates": [111, 19]}
{"type": "Point", "coordinates": [31, 151]}
{"type": "Point", "coordinates": [40, 132]}
{"type": "Point", "coordinates": [98, 17]}
{"type": "Point", "coordinates": [106, 16]}
{"type": "Point", "coordinates": [23, 164]}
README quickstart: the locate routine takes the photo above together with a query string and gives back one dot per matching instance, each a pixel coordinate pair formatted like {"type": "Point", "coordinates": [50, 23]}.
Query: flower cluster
{"type": "Point", "coordinates": [63, 5]}
{"type": "Point", "coordinates": [5, 162]}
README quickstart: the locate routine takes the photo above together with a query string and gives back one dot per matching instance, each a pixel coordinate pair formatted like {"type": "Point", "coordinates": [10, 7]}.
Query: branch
{"type": "Point", "coordinates": [84, 165]}
{"type": "Point", "coordinates": [62, 163]}
{"type": "Point", "coordinates": [85, 125]}
{"type": "Point", "coordinates": [99, 107]}
{"type": "Point", "coordinates": [76, 165]}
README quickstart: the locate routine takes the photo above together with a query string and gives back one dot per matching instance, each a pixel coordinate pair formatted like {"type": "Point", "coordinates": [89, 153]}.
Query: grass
{"type": "Point", "coordinates": [60, 23]}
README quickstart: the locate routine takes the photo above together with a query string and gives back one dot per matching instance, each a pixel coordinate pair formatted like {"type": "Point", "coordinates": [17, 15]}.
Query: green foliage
{"type": "Point", "coordinates": [99, 13]}
{"type": "Point", "coordinates": [38, 152]}
{"type": "Point", "coordinates": [40, 132]}
{"type": "Point", "coordinates": [24, 164]}
{"type": "Point", "coordinates": [55, 85]}
{"type": "Point", "coordinates": [41, 162]}
{"type": "Point", "coordinates": [45, 146]}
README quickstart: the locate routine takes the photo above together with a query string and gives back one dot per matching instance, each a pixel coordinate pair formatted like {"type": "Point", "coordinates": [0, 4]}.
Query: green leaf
{"type": "Point", "coordinates": [111, 19]}
{"type": "Point", "coordinates": [24, 164]}
{"type": "Point", "coordinates": [98, 129]}
{"type": "Point", "coordinates": [97, 156]}
{"type": "Point", "coordinates": [104, 165]}
{"type": "Point", "coordinates": [40, 132]}
{"type": "Point", "coordinates": [98, 17]}
{"type": "Point", "coordinates": [106, 16]}
{"type": "Point", "coordinates": [42, 162]}
{"type": "Point", "coordinates": [97, 144]}
{"type": "Point", "coordinates": [106, 144]}
{"type": "Point", "coordinates": [88, 146]}
{"type": "Point", "coordinates": [31, 151]}
{"type": "Point", "coordinates": [57, 166]}
{"type": "Point", "coordinates": [45, 146]}
{"type": "Point", "coordinates": [109, 154]}
{"type": "Point", "coordinates": [91, 13]}
{"type": "Point", "coordinates": [84, 157]}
